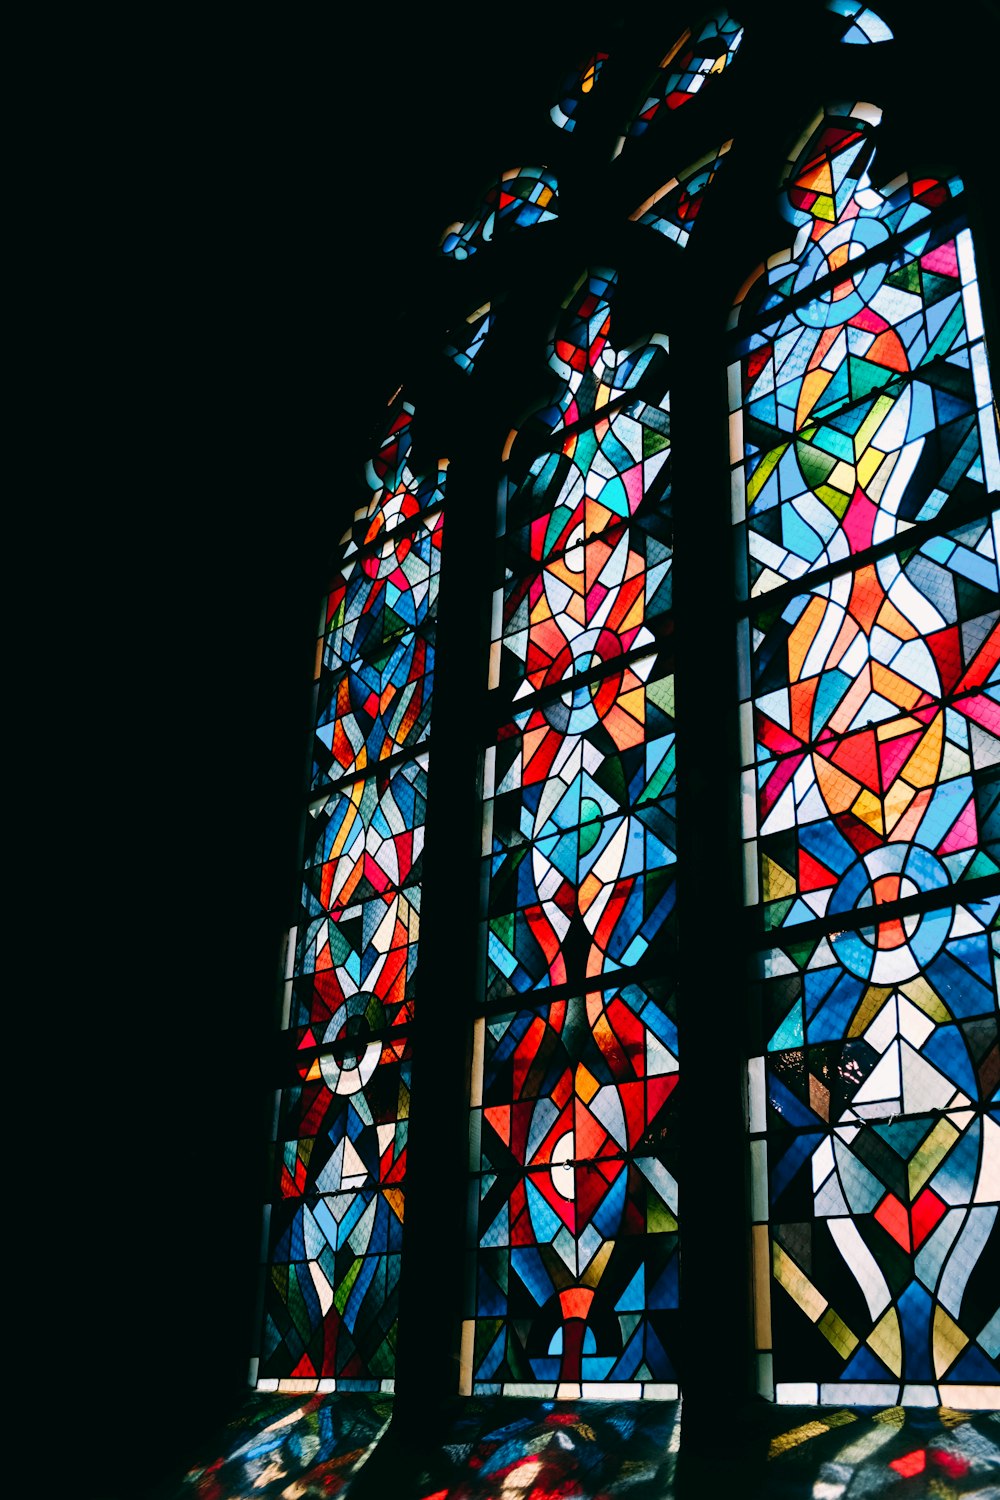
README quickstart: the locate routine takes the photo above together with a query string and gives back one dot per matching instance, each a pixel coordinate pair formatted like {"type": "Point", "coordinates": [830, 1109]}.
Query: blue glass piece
{"type": "Point", "coordinates": [945, 1047]}
{"type": "Point", "coordinates": [800, 1150]}
{"type": "Point", "coordinates": [785, 1103]}
{"type": "Point", "coordinates": [916, 1309]}
{"type": "Point", "coordinates": [973, 1368]}
{"type": "Point", "coordinates": [866, 1366]}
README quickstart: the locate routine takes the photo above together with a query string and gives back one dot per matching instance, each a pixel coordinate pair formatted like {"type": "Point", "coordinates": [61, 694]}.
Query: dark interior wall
{"type": "Point", "coordinates": [260, 195]}
{"type": "Point", "coordinates": [253, 195]}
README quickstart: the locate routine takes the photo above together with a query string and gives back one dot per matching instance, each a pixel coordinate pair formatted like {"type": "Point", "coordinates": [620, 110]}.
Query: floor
{"type": "Point", "coordinates": [300, 1447]}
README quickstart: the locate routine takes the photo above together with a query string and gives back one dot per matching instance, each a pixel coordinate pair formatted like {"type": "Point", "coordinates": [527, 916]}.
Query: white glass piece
{"type": "Point", "coordinates": [859, 1393]}
{"type": "Point", "coordinates": [756, 1110]}
{"type": "Point", "coordinates": [864, 1267]}
{"type": "Point", "coordinates": [796, 1393]}
{"type": "Point", "coordinates": [919, 1395]}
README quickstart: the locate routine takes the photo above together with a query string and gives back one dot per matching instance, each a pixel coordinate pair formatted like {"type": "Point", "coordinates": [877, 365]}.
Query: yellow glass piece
{"type": "Point", "coordinates": [595, 1270]}
{"type": "Point", "coordinates": [922, 995]}
{"type": "Point", "coordinates": [837, 789]}
{"type": "Point", "coordinates": [659, 1219]}
{"type": "Point", "coordinates": [763, 471]}
{"type": "Point", "coordinates": [776, 882]}
{"type": "Point", "coordinates": [684, 36]}
{"type": "Point", "coordinates": [868, 465]}
{"type": "Point", "coordinates": [868, 808]}
{"type": "Point", "coordinates": [478, 1055]}
{"type": "Point", "coordinates": [814, 383]}
{"type": "Point", "coordinates": [897, 800]}
{"type": "Point", "coordinates": [589, 891]}
{"type": "Point", "coordinates": [922, 767]}
{"type": "Point", "coordinates": [842, 477]}
{"type": "Point", "coordinates": [872, 1002]}
{"type": "Point", "coordinates": [797, 1284]}
{"type": "Point", "coordinates": [927, 1159]}
{"type": "Point", "coordinates": [803, 635]}
{"type": "Point", "coordinates": [585, 1083]}
{"type": "Point", "coordinates": [871, 425]}
{"type": "Point", "coordinates": [465, 1361]}
{"type": "Point", "coordinates": [949, 1341]}
{"type": "Point", "coordinates": [898, 690]}
{"type": "Point", "coordinates": [344, 1289]}
{"type": "Point", "coordinates": [834, 500]}
{"type": "Point", "coordinates": [394, 1198]}
{"type": "Point", "coordinates": [886, 1341]}
{"type": "Point", "coordinates": [761, 1288]}
{"type": "Point", "coordinates": [836, 1332]}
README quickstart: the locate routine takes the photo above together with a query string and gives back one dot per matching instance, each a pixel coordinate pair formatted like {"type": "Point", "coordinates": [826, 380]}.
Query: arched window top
{"type": "Point", "coordinates": [524, 196]}
{"type": "Point", "coordinates": [575, 90]}
{"type": "Point", "coordinates": [863, 25]}
{"type": "Point", "coordinates": [692, 61]}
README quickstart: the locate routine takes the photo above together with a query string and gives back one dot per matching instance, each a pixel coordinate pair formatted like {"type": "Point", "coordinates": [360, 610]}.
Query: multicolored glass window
{"type": "Point", "coordinates": [573, 1208]}
{"type": "Point", "coordinates": [334, 1229]}
{"type": "Point", "coordinates": [673, 208]}
{"type": "Point", "coordinates": [865, 481]}
{"type": "Point", "coordinates": [697, 56]}
{"type": "Point", "coordinates": [522, 197]}
{"type": "Point", "coordinates": [576, 89]}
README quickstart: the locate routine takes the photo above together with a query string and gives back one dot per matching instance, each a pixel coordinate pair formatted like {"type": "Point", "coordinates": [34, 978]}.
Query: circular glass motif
{"type": "Point", "coordinates": [897, 949]}
{"type": "Point", "coordinates": [393, 549]}
{"type": "Point", "coordinates": [585, 704]}
{"type": "Point", "coordinates": [354, 1058]}
{"type": "Point", "coordinates": [833, 254]}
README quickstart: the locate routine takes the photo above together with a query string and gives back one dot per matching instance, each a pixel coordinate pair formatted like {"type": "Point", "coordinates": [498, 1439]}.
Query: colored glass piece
{"type": "Point", "coordinates": [576, 89]}
{"type": "Point", "coordinates": [863, 27]}
{"type": "Point", "coordinates": [673, 208]}
{"type": "Point", "coordinates": [468, 344]}
{"type": "Point", "coordinates": [686, 68]}
{"type": "Point", "coordinates": [523, 196]}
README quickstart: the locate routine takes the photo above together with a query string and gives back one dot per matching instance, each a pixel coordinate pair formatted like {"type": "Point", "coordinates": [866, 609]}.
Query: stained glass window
{"type": "Point", "coordinates": [697, 56]}
{"type": "Point", "coordinates": [864, 474]}
{"type": "Point", "coordinates": [864, 490]}
{"type": "Point", "coordinates": [334, 1229]}
{"type": "Point", "coordinates": [573, 1206]}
